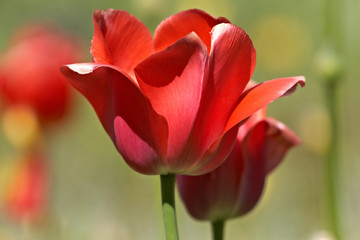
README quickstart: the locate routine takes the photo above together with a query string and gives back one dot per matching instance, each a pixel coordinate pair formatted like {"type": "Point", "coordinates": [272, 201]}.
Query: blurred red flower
{"type": "Point", "coordinates": [33, 94]}
{"type": "Point", "coordinates": [235, 187]}
{"type": "Point", "coordinates": [172, 104]}
{"type": "Point", "coordinates": [29, 71]}
{"type": "Point", "coordinates": [26, 195]}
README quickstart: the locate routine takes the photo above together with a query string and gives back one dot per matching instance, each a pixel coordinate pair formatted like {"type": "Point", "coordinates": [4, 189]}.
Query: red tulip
{"type": "Point", "coordinates": [172, 104]}
{"type": "Point", "coordinates": [27, 191]}
{"type": "Point", "coordinates": [235, 187]}
{"type": "Point", "coordinates": [29, 72]}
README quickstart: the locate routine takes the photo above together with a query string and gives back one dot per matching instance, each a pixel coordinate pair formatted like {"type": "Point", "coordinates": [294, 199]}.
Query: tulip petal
{"type": "Point", "coordinates": [137, 153]}
{"type": "Point", "coordinates": [253, 177]}
{"type": "Point", "coordinates": [181, 24]}
{"type": "Point", "coordinates": [120, 39]}
{"type": "Point", "coordinates": [113, 97]}
{"type": "Point", "coordinates": [264, 147]}
{"type": "Point", "coordinates": [279, 140]}
{"type": "Point", "coordinates": [216, 154]}
{"type": "Point", "coordinates": [261, 95]}
{"type": "Point", "coordinates": [250, 122]}
{"type": "Point", "coordinates": [212, 196]}
{"type": "Point", "coordinates": [231, 64]}
{"type": "Point", "coordinates": [197, 204]}
{"type": "Point", "coordinates": [173, 81]}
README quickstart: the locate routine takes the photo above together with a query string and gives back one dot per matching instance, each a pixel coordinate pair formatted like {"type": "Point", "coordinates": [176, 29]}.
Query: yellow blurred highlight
{"type": "Point", "coordinates": [322, 235]}
{"type": "Point", "coordinates": [21, 126]}
{"type": "Point", "coordinates": [7, 167]}
{"type": "Point", "coordinates": [110, 231]}
{"type": "Point", "coordinates": [17, 185]}
{"type": "Point", "coordinates": [4, 235]}
{"type": "Point", "coordinates": [151, 6]}
{"type": "Point", "coordinates": [282, 43]}
{"type": "Point", "coordinates": [315, 130]}
{"type": "Point", "coordinates": [216, 8]}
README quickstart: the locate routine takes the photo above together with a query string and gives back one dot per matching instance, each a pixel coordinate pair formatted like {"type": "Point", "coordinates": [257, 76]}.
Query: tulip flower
{"type": "Point", "coordinates": [29, 72]}
{"type": "Point", "coordinates": [234, 188]}
{"type": "Point", "coordinates": [172, 103]}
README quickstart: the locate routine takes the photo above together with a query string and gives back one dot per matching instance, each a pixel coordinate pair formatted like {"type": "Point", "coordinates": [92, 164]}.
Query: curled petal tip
{"type": "Point", "coordinates": [261, 95]}
{"type": "Point", "coordinates": [300, 81]}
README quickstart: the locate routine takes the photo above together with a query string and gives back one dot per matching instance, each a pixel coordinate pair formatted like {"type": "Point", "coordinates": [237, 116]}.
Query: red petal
{"type": "Point", "coordinates": [264, 147]}
{"type": "Point", "coordinates": [137, 153]}
{"type": "Point", "coordinates": [261, 95]}
{"type": "Point", "coordinates": [120, 39]}
{"type": "Point", "coordinates": [173, 81]}
{"type": "Point", "coordinates": [250, 122]}
{"type": "Point", "coordinates": [278, 141]}
{"type": "Point", "coordinates": [253, 176]}
{"type": "Point", "coordinates": [213, 158]}
{"type": "Point", "coordinates": [116, 99]}
{"type": "Point", "coordinates": [181, 24]}
{"type": "Point", "coordinates": [197, 193]}
{"type": "Point", "coordinates": [232, 61]}
{"type": "Point", "coordinates": [213, 196]}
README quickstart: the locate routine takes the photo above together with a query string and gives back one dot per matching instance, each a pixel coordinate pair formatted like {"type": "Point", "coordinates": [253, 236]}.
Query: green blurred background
{"type": "Point", "coordinates": [96, 196]}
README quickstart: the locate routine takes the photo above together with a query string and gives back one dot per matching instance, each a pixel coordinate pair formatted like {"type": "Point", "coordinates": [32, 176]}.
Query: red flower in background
{"type": "Point", "coordinates": [29, 72]}
{"type": "Point", "coordinates": [26, 195]}
{"type": "Point", "coordinates": [235, 187]}
{"type": "Point", "coordinates": [172, 104]}
{"type": "Point", "coordinates": [33, 93]}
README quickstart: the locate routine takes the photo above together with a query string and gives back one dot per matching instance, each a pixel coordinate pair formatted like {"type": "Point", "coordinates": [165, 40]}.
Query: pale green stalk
{"type": "Point", "coordinates": [168, 206]}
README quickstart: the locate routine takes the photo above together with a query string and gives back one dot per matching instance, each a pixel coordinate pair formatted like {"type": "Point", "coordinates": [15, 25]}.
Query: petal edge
{"type": "Point", "coordinates": [261, 95]}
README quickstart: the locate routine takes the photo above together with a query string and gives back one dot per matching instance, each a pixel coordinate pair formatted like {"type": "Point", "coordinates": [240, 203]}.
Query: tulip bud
{"type": "Point", "coordinates": [234, 188]}
{"type": "Point", "coordinates": [328, 62]}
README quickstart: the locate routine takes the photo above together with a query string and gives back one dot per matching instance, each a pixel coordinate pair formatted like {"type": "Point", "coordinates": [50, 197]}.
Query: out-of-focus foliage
{"type": "Point", "coordinates": [95, 195]}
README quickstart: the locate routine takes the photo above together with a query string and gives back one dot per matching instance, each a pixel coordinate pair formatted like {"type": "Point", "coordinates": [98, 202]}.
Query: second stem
{"type": "Point", "coordinates": [168, 206]}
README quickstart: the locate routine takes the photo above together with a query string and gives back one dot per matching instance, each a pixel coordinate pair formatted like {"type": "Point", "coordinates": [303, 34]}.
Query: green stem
{"type": "Point", "coordinates": [218, 229]}
{"type": "Point", "coordinates": [168, 206]}
{"type": "Point", "coordinates": [332, 160]}
{"type": "Point", "coordinates": [332, 79]}
{"type": "Point", "coordinates": [332, 22]}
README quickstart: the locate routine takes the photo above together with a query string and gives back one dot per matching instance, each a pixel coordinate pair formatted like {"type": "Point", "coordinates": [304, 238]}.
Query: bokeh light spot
{"type": "Point", "coordinates": [282, 43]}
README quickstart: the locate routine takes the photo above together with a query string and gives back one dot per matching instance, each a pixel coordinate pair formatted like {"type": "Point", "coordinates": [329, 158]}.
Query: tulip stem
{"type": "Point", "coordinates": [218, 229]}
{"type": "Point", "coordinates": [332, 163]}
{"type": "Point", "coordinates": [168, 206]}
{"type": "Point", "coordinates": [332, 77]}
